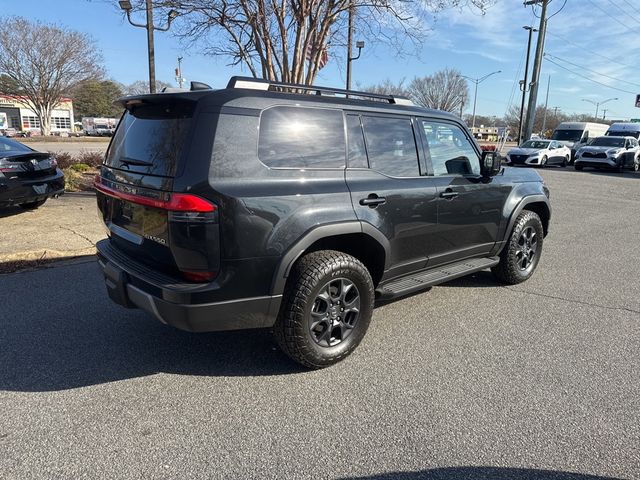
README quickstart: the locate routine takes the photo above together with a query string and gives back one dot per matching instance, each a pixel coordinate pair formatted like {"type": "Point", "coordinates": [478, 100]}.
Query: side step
{"type": "Point", "coordinates": [427, 278]}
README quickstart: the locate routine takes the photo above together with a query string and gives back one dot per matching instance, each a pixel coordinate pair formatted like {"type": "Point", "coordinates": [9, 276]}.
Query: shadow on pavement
{"type": "Point", "coordinates": [482, 279]}
{"type": "Point", "coordinates": [59, 331]}
{"type": "Point", "coordinates": [11, 211]}
{"type": "Point", "coordinates": [482, 473]}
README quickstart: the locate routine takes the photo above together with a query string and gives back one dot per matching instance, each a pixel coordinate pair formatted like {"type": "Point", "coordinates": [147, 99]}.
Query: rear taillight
{"type": "Point", "coordinates": [175, 202]}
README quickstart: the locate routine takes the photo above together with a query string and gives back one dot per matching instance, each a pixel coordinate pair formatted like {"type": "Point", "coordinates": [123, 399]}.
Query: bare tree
{"type": "Point", "coordinates": [141, 87]}
{"type": "Point", "coordinates": [289, 40]}
{"type": "Point", "coordinates": [386, 87]}
{"type": "Point", "coordinates": [46, 61]}
{"type": "Point", "coordinates": [444, 90]}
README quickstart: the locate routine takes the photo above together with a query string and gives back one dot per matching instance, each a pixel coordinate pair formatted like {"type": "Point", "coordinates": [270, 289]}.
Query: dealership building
{"type": "Point", "coordinates": [21, 117]}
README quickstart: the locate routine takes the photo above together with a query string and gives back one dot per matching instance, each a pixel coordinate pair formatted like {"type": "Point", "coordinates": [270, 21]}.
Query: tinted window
{"type": "Point", "coordinates": [152, 138]}
{"type": "Point", "coordinates": [301, 138]}
{"type": "Point", "coordinates": [608, 142]}
{"type": "Point", "coordinates": [355, 142]}
{"type": "Point", "coordinates": [449, 149]}
{"type": "Point", "coordinates": [11, 147]}
{"type": "Point", "coordinates": [391, 146]}
{"type": "Point", "coordinates": [567, 135]}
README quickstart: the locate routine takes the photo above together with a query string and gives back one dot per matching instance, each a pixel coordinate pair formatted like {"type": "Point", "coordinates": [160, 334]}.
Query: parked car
{"type": "Point", "coordinates": [27, 177]}
{"type": "Point", "coordinates": [609, 152]}
{"type": "Point", "coordinates": [259, 206]}
{"type": "Point", "coordinates": [540, 153]}
{"type": "Point", "coordinates": [10, 132]}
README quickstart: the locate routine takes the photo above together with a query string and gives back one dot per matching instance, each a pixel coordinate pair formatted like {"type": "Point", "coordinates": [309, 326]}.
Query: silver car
{"type": "Point", "coordinates": [610, 152]}
{"type": "Point", "coordinates": [539, 152]}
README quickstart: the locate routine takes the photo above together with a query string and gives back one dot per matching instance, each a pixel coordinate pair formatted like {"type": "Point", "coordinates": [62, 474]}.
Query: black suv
{"type": "Point", "coordinates": [295, 207]}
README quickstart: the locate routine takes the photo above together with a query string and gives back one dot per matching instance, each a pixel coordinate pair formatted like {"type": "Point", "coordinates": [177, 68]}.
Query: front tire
{"type": "Point", "coordinates": [520, 257]}
{"type": "Point", "coordinates": [326, 309]}
{"type": "Point", "coordinates": [565, 162]}
{"type": "Point", "coordinates": [543, 161]}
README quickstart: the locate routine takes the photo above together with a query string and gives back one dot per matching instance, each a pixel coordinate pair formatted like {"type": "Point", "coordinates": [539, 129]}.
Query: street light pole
{"type": "Point", "coordinates": [524, 86]}
{"type": "Point", "coordinates": [597, 104]}
{"type": "Point", "coordinates": [127, 7]}
{"type": "Point", "coordinates": [475, 92]}
{"type": "Point", "coordinates": [359, 44]}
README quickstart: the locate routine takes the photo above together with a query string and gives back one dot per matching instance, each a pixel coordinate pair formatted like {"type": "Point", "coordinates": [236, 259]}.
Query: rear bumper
{"type": "Point", "coordinates": [14, 191]}
{"type": "Point", "coordinates": [130, 286]}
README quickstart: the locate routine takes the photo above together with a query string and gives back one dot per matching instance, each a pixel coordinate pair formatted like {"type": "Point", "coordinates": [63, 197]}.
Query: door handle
{"type": "Point", "coordinates": [449, 194]}
{"type": "Point", "coordinates": [372, 201]}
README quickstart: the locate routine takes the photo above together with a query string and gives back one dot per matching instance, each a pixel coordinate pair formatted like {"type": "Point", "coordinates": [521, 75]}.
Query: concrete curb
{"type": "Point", "coordinates": [42, 255]}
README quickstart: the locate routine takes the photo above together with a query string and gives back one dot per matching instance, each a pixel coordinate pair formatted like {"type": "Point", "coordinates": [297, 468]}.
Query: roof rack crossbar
{"type": "Point", "coordinates": [261, 84]}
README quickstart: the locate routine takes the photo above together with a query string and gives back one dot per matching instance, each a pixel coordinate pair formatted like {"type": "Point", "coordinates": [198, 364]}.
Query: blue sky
{"type": "Point", "coordinates": [594, 45]}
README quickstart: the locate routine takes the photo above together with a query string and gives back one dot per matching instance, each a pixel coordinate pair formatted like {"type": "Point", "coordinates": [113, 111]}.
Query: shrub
{"type": "Point", "coordinates": [80, 167]}
{"type": "Point", "coordinates": [64, 159]}
{"type": "Point", "coordinates": [92, 159]}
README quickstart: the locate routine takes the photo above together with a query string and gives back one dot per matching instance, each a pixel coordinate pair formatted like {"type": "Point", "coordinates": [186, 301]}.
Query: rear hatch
{"type": "Point", "coordinates": [175, 232]}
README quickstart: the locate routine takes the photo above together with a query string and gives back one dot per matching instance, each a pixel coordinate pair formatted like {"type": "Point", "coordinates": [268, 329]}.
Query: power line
{"type": "Point", "coordinates": [592, 71]}
{"type": "Point", "coordinates": [587, 78]}
{"type": "Point", "coordinates": [622, 10]}
{"type": "Point", "coordinates": [609, 15]}
{"type": "Point", "coordinates": [609, 59]}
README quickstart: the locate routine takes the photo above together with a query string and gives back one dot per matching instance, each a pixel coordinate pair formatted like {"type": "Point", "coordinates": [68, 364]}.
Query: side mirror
{"type": "Point", "coordinates": [490, 164]}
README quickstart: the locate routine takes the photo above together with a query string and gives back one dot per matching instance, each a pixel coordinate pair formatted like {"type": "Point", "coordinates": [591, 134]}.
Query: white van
{"type": "Point", "coordinates": [578, 134]}
{"type": "Point", "coordinates": [624, 129]}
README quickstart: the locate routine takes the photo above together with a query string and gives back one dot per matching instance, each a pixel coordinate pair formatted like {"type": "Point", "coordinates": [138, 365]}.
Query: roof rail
{"type": "Point", "coordinates": [261, 84]}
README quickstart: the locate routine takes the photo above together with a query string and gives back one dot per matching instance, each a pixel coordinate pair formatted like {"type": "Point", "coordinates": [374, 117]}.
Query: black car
{"type": "Point", "coordinates": [27, 177]}
{"type": "Point", "coordinates": [261, 206]}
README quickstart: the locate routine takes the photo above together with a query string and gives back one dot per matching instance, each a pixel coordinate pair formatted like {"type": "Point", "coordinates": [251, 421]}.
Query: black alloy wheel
{"type": "Point", "coordinates": [527, 249]}
{"type": "Point", "coordinates": [335, 312]}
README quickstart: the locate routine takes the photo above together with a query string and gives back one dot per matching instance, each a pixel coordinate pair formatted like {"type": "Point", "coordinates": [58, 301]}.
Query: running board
{"type": "Point", "coordinates": [424, 279]}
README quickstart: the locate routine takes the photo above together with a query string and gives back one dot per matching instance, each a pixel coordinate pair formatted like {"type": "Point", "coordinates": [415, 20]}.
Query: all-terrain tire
{"type": "Point", "coordinates": [517, 264]}
{"type": "Point", "coordinates": [32, 205]}
{"type": "Point", "coordinates": [311, 278]}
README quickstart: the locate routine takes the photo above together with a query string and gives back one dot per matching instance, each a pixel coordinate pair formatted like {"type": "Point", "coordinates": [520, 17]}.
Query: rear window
{"type": "Point", "coordinates": [151, 139]}
{"type": "Point", "coordinates": [11, 147]}
{"type": "Point", "coordinates": [298, 137]}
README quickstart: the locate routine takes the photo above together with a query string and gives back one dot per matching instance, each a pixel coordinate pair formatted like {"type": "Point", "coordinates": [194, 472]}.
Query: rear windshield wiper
{"type": "Point", "coordinates": [131, 161]}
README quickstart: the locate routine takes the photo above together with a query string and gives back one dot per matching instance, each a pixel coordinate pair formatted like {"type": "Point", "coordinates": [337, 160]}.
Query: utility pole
{"type": "Point", "coordinates": [537, 65]}
{"type": "Point", "coordinates": [546, 103]}
{"type": "Point", "coordinates": [523, 85]}
{"type": "Point", "coordinates": [179, 77]}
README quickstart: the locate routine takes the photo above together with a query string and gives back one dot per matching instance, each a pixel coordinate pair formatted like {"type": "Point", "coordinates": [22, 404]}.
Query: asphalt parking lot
{"type": "Point", "coordinates": [468, 380]}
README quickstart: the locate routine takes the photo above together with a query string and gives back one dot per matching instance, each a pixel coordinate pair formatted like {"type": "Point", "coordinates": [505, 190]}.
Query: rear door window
{"type": "Point", "coordinates": [391, 146]}
{"type": "Point", "coordinates": [299, 137]}
{"type": "Point", "coordinates": [151, 139]}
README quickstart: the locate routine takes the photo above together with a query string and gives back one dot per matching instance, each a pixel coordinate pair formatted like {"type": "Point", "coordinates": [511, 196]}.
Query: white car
{"type": "Point", "coordinates": [540, 153]}
{"type": "Point", "coordinates": [611, 152]}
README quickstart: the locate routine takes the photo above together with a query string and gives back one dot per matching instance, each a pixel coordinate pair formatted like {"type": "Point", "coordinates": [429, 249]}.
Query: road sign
{"type": "Point", "coordinates": [638, 100]}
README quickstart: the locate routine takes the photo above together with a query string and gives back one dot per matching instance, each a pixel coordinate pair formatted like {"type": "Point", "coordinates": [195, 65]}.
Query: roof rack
{"type": "Point", "coordinates": [261, 84]}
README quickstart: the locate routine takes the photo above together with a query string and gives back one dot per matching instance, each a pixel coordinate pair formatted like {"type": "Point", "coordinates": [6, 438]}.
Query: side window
{"type": "Point", "coordinates": [297, 137]}
{"type": "Point", "coordinates": [357, 157]}
{"type": "Point", "coordinates": [449, 149]}
{"type": "Point", "coordinates": [391, 146]}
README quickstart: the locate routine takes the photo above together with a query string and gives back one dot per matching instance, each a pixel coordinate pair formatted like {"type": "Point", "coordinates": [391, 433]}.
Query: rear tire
{"type": "Point", "coordinates": [32, 205]}
{"type": "Point", "coordinates": [520, 257]}
{"type": "Point", "coordinates": [326, 309]}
